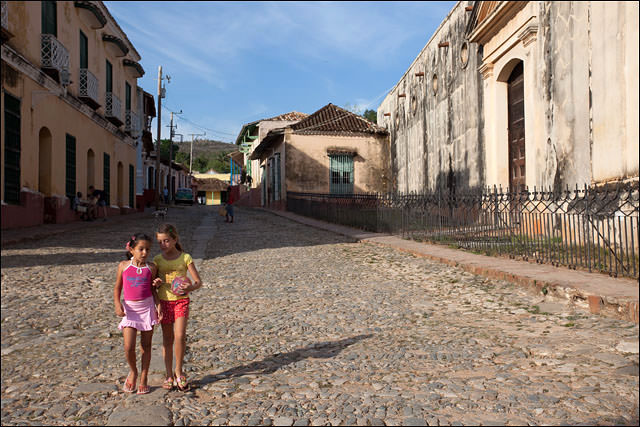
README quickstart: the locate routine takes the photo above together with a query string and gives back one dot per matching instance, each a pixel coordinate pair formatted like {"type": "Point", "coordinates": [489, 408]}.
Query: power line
{"type": "Point", "coordinates": [200, 126]}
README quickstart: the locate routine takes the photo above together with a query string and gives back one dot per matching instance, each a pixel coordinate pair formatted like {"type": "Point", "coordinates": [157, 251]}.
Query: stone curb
{"type": "Point", "coordinates": [624, 308]}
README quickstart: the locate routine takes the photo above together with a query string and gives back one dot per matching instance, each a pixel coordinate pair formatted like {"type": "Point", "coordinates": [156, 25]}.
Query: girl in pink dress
{"type": "Point", "coordinates": [139, 310]}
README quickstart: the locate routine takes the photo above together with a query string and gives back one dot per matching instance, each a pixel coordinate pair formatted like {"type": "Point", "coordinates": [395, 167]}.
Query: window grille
{"type": "Point", "coordinates": [277, 177]}
{"type": "Point", "coordinates": [70, 177]}
{"type": "Point", "coordinates": [341, 174]}
{"type": "Point", "coordinates": [11, 125]}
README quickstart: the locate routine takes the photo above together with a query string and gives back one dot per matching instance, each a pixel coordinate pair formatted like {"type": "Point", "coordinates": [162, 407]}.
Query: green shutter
{"type": "Point", "coordinates": [341, 174]}
{"type": "Point", "coordinates": [132, 173]}
{"type": "Point", "coordinates": [11, 125]}
{"type": "Point", "coordinates": [127, 93]}
{"type": "Point", "coordinates": [84, 51]}
{"type": "Point", "coordinates": [70, 177]}
{"type": "Point", "coordinates": [109, 77]}
{"type": "Point", "coordinates": [49, 18]}
{"type": "Point", "coordinates": [107, 179]}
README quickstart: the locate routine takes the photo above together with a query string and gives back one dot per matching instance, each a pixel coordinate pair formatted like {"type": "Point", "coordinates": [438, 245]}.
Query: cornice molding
{"type": "Point", "coordinates": [23, 65]}
{"type": "Point", "coordinates": [491, 25]}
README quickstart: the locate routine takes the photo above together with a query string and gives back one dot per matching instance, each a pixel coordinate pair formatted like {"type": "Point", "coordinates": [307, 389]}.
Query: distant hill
{"type": "Point", "coordinates": [206, 147]}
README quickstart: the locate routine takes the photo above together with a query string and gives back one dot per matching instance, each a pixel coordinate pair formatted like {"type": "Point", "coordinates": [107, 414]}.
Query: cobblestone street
{"type": "Point", "coordinates": [299, 326]}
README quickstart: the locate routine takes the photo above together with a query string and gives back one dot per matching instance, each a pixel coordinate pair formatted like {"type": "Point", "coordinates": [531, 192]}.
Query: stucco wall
{"type": "Point", "coordinates": [25, 22]}
{"type": "Point", "coordinates": [581, 92]}
{"type": "Point", "coordinates": [436, 132]}
{"type": "Point", "coordinates": [45, 108]}
{"type": "Point", "coordinates": [307, 162]}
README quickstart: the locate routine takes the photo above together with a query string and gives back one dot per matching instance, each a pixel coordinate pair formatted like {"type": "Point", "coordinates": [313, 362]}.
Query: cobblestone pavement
{"type": "Point", "coordinates": [298, 326]}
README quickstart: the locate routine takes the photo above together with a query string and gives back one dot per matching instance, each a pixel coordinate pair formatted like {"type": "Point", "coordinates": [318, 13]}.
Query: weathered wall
{"type": "Point", "coordinates": [307, 162]}
{"type": "Point", "coordinates": [436, 128]}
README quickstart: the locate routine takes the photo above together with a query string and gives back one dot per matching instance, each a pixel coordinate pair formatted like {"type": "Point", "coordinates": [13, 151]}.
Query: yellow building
{"type": "Point", "coordinates": [213, 185]}
{"type": "Point", "coordinates": [71, 110]}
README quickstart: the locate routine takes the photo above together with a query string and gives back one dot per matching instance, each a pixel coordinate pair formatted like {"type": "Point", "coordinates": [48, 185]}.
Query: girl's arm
{"type": "Point", "coordinates": [197, 283]}
{"type": "Point", "coordinates": [154, 290]}
{"type": "Point", "coordinates": [117, 291]}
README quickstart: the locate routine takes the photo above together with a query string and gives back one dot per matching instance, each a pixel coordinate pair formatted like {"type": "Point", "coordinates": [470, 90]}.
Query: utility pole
{"type": "Point", "coordinates": [171, 156]}
{"type": "Point", "coordinates": [191, 152]}
{"type": "Point", "coordinates": [157, 178]}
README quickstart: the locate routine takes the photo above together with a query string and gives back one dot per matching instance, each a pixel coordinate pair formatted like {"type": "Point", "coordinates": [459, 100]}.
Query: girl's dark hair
{"type": "Point", "coordinates": [133, 242]}
{"type": "Point", "coordinates": [171, 231]}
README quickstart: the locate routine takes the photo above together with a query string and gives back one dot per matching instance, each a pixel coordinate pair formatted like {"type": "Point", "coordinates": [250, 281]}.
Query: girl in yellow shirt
{"type": "Point", "coordinates": [172, 263]}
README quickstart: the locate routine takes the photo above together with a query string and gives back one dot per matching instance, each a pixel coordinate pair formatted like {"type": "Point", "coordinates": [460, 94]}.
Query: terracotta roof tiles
{"type": "Point", "coordinates": [332, 119]}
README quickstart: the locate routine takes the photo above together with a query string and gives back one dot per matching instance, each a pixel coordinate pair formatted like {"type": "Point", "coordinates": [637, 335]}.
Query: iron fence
{"type": "Point", "coordinates": [592, 228]}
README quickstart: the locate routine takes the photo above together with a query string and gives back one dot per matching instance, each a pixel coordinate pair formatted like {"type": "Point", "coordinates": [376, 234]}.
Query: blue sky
{"type": "Point", "coordinates": [236, 62]}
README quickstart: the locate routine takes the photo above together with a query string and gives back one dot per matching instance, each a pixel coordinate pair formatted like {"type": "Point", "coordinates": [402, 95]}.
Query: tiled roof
{"type": "Point", "coordinates": [293, 115]}
{"type": "Point", "coordinates": [334, 120]}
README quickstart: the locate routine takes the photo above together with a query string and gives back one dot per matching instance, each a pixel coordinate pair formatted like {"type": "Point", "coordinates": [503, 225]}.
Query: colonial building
{"type": "Point", "coordinates": [519, 94]}
{"type": "Point", "coordinates": [332, 151]}
{"type": "Point", "coordinates": [71, 110]}
{"type": "Point", "coordinates": [252, 134]}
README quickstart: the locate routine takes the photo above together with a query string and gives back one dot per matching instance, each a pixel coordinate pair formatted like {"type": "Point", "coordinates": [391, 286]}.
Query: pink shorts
{"type": "Point", "coordinates": [140, 315]}
{"type": "Point", "coordinates": [171, 310]}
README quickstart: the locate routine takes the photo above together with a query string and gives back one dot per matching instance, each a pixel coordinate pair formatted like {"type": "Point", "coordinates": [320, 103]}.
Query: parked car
{"type": "Point", "coordinates": [184, 195]}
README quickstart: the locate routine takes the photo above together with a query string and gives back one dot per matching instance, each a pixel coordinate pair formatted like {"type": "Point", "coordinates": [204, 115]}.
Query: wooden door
{"type": "Point", "coordinates": [516, 129]}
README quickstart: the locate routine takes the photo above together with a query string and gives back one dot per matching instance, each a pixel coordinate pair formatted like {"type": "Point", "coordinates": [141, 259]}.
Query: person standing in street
{"type": "Point", "coordinates": [229, 205]}
{"type": "Point", "coordinates": [165, 192]}
{"type": "Point", "coordinates": [101, 200]}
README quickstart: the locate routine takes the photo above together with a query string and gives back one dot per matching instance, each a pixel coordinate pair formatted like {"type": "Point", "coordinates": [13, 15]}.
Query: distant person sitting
{"type": "Point", "coordinates": [80, 206]}
{"type": "Point", "coordinates": [101, 200]}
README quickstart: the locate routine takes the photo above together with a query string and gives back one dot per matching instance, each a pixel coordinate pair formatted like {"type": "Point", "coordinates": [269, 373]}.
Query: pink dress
{"type": "Point", "coordinates": [139, 307]}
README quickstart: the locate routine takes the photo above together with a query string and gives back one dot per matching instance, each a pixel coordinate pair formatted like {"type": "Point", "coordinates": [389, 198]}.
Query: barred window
{"type": "Point", "coordinates": [70, 175]}
{"type": "Point", "coordinates": [341, 174]}
{"type": "Point", "coordinates": [11, 125]}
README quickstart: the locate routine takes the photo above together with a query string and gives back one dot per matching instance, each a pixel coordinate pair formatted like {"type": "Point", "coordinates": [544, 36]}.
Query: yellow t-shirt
{"type": "Point", "coordinates": [169, 270]}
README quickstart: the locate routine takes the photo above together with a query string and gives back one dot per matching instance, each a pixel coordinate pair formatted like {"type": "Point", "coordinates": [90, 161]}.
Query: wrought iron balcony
{"type": "Point", "coordinates": [54, 56]}
{"type": "Point", "coordinates": [113, 109]}
{"type": "Point", "coordinates": [132, 123]}
{"type": "Point", "coordinates": [88, 88]}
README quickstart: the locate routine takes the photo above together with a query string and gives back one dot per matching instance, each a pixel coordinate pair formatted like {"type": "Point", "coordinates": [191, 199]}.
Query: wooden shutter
{"type": "Point", "coordinates": [515, 95]}
{"type": "Point", "coordinates": [132, 173]}
{"type": "Point", "coordinates": [109, 83]}
{"type": "Point", "coordinates": [49, 18]}
{"type": "Point", "coordinates": [84, 51]}
{"type": "Point", "coordinates": [107, 179]}
{"type": "Point", "coordinates": [11, 125]}
{"type": "Point", "coordinates": [127, 94]}
{"type": "Point", "coordinates": [70, 176]}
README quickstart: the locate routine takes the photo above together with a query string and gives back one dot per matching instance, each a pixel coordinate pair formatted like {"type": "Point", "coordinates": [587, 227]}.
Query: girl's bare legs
{"type": "Point", "coordinates": [145, 349]}
{"type": "Point", "coordinates": [180, 334]}
{"type": "Point", "coordinates": [129, 335]}
{"type": "Point", "coordinates": [167, 348]}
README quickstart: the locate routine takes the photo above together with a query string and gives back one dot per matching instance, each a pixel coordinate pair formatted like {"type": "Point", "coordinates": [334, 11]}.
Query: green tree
{"type": "Point", "coordinates": [181, 157]}
{"type": "Point", "coordinates": [165, 146]}
{"type": "Point", "coordinates": [371, 115]}
{"type": "Point", "coordinates": [200, 163]}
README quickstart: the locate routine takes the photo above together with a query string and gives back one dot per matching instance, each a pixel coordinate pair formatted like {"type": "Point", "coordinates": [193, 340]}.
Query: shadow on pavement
{"type": "Point", "coordinates": [323, 350]}
{"type": "Point", "coordinates": [65, 258]}
{"type": "Point", "coordinates": [255, 229]}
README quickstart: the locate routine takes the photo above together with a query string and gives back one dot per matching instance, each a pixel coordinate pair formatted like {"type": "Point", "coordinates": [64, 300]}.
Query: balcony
{"type": "Point", "coordinates": [88, 88]}
{"type": "Point", "coordinates": [132, 123]}
{"type": "Point", "coordinates": [54, 56]}
{"type": "Point", "coordinates": [113, 109]}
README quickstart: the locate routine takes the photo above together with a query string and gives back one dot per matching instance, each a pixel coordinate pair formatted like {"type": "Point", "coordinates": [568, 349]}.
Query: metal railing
{"type": "Point", "coordinates": [113, 107]}
{"type": "Point", "coordinates": [88, 85]}
{"type": "Point", "coordinates": [595, 229]}
{"type": "Point", "coordinates": [53, 53]}
{"type": "Point", "coordinates": [131, 123]}
{"type": "Point", "coordinates": [5, 14]}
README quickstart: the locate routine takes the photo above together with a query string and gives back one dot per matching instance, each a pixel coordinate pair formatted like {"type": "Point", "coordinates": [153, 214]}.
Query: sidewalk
{"type": "Point", "coordinates": [595, 292]}
{"type": "Point", "coordinates": [17, 235]}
